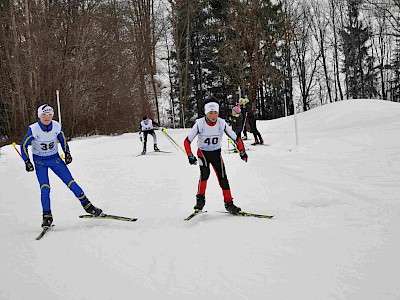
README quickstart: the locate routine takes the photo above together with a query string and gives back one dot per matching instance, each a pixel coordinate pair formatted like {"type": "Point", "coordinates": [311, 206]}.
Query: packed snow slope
{"type": "Point", "coordinates": [335, 234]}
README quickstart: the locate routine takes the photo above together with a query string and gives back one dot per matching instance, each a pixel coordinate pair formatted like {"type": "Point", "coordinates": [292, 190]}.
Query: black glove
{"type": "Point", "coordinates": [29, 166]}
{"type": "Point", "coordinates": [68, 158]}
{"type": "Point", "coordinates": [243, 155]}
{"type": "Point", "coordinates": [192, 159]}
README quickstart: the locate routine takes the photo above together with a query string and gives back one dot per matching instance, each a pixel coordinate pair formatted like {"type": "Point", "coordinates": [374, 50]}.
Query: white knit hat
{"type": "Point", "coordinates": [45, 109]}
{"type": "Point", "coordinates": [211, 106]}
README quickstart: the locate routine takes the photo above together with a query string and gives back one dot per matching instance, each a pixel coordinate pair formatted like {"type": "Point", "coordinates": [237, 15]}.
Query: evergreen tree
{"type": "Point", "coordinates": [217, 84]}
{"type": "Point", "coordinates": [198, 38]}
{"type": "Point", "coordinates": [358, 64]}
{"type": "Point", "coordinates": [254, 53]}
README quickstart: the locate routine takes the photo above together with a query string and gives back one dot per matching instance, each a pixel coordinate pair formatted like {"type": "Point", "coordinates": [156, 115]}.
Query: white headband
{"type": "Point", "coordinates": [211, 106]}
{"type": "Point", "coordinates": [45, 109]}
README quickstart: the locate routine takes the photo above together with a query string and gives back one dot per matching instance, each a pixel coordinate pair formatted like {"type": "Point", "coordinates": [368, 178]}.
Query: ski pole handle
{"type": "Point", "coordinates": [28, 165]}
{"type": "Point", "coordinates": [14, 144]}
{"type": "Point", "coordinates": [141, 137]}
{"type": "Point", "coordinates": [234, 145]}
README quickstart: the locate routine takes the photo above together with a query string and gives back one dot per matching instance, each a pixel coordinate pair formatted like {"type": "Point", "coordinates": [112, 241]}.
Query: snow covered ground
{"type": "Point", "coordinates": [335, 234]}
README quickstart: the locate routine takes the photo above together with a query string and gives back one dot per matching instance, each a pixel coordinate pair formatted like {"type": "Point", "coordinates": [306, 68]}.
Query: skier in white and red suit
{"type": "Point", "coordinates": [209, 130]}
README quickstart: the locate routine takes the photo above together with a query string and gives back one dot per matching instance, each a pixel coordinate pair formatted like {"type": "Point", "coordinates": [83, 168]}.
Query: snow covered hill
{"type": "Point", "coordinates": [335, 234]}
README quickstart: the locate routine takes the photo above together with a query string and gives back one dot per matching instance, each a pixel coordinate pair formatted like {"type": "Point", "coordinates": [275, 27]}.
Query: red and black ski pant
{"type": "Point", "coordinates": [214, 158]}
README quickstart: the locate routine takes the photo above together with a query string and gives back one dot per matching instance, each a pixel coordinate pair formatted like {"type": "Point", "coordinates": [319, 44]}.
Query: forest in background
{"type": "Point", "coordinates": [115, 61]}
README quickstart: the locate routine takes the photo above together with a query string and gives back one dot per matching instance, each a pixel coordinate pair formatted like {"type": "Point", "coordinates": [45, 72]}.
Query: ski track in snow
{"type": "Point", "coordinates": [335, 234]}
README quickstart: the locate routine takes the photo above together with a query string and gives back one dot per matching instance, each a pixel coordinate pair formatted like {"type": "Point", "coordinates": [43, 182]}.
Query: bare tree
{"type": "Point", "coordinates": [320, 24]}
{"type": "Point", "coordinates": [306, 58]}
{"type": "Point", "coordinates": [82, 48]}
{"type": "Point", "coordinates": [334, 12]}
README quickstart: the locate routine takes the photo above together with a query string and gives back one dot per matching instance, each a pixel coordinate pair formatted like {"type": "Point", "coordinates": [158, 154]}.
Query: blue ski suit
{"type": "Point", "coordinates": [44, 140]}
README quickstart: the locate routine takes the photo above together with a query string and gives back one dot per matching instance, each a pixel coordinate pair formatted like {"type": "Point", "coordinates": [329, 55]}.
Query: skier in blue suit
{"type": "Point", "coordinates": [44, 137]}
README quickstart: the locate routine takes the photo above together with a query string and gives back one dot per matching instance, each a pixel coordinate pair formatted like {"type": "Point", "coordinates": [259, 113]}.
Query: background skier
{"type": "Point", "coordinates": [252, 119]}
{"type": "Point", "coordinates": [145, 128]}
{"type": "Point", "coordinates": [236, 121]}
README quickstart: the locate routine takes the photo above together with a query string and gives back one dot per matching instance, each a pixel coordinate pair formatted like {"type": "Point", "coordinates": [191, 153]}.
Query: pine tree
{"type": "Point", "coordinates": [358, 64]}
{"type": "Point", "coordinates": [254, 53]}
{"type": "Point", "coordinates": [198, 39]}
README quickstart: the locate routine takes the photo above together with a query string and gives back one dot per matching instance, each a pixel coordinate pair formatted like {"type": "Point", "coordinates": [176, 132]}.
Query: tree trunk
{"type": "Point", "coordinates": [18, 93]}
{"type": "Point", "coordinates": [336, 51]}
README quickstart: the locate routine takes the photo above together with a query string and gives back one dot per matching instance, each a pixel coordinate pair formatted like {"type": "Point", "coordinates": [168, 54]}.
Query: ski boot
{"type": "Point", "coordinates": [143, 152]}
{"type": "Point", "coordinates": [232, 208]}
{"type": "Point", "coordinates": [91, 209]}
{"type": "Point", "coordinates": [156, 148]}
{"type": "Point", "coordinates": [200, 202]}
{"type": "Point", "coordinates": [47, 219]}
{"type": "Point", "coordinates": [261, 142]}
{"type": "Point", "coordinates": [255, 143]}
{"type": "Point", "coordinates": [244, 137]}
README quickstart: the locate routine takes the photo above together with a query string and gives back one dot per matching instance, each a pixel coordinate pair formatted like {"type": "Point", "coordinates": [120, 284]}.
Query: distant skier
{"type": "Point", "coordinates": [44, 136]}
{"type": "Point", "coordinates": [251, 116]}
{"type": "Point", "coordinates": [236, 121]}
{"type": "Point", "coordinates": [146, 128]}
{"type": "Point", "coordinates": [210, 130]}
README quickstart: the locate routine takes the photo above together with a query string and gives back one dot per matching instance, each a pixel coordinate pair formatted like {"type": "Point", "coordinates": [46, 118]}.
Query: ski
{"type": "Point", "coordinates": [246, 214]}
{"type": "Point", "coordinates": [235, 152]}
{"type": "Point", "coordinates": [150, 152]}
{"type": "Point", "coordinates": [140, 154]}
{"type": "Point", "coordinates": [109, 217]}
{"type": "Point", "coordinates": [195, 213]}
{"type": "Point", "coordinates": [44, 232]}
{"type": "Point", "coordinates": [231, 151]}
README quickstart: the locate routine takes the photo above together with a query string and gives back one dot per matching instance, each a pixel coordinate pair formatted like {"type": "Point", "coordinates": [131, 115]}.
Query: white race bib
{"type": "Point", "coordinates": [210, 137]}
{"type": "Point", "coordinates": [148, 126]}
{"type": "Point", "coordinates": [45, 143]}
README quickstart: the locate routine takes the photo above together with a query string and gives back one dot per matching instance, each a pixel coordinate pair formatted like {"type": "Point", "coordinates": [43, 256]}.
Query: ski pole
{"type": "Point", "coordinates": [244, 123]}
{"type": "Point", "coordinates": [14, 144]}
{"type": "Point", "coordinates": [234, 145]}
{"type": "Point", "coordinates": [172, 140]}
{"type": "Point", "coordinates": [176, 143]}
